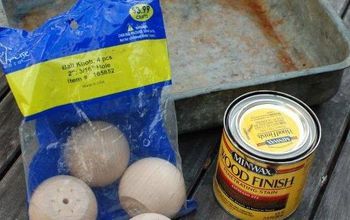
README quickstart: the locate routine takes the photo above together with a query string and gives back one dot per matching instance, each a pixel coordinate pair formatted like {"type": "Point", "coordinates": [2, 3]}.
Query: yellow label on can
{"type": "Point", "coordinates": [271, 130]}
{"type": "Point", "coordinates": [251, 189]}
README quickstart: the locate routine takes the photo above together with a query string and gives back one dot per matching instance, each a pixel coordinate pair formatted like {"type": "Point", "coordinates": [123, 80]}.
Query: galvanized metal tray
{"type": "Point", "coordinates": [220, 49]}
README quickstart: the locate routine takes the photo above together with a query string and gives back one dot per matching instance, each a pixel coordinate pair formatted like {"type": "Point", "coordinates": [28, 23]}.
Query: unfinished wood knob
{"type": "Point", "coordinates": [63, 197]}
{"type": "Point", "coordinates": [152, 185]}
{"type": "Point", "coordinates": [150, 216]}
{"type": "Point", "coordinates": [97, 153]}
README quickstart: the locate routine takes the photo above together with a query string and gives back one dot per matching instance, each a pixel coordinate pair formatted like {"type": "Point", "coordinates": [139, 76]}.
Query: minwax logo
{"type": "Point", "coordinates": [280, 140]}
{"type": "Point", "coordinates": [253, 167]}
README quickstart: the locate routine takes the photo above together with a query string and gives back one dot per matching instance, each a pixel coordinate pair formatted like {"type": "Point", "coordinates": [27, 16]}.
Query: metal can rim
{"type": "Point", "coordinates": [297, 158]}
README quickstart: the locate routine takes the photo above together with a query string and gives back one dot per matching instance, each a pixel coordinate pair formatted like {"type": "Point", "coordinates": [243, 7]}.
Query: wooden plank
{"type": "Point", "coordinates": [12, 194]}
{"type": "Point", "coordinates": [10, 119]}
{"type": "Point", "coordinates": [334, 116]}
{"type": "Point", "coordinates": [335, 201]}
{"type": "Point", "coordinates": [333, 204]}
{"type": "Point", "coordinates": [208, 208]}
{"type": "Point", "coordinates": [3, 18]}
{"type": "Point", "coordinates": [3, 86]}
{"type": "Point", "coordinates": [196, 150]}
{"type": "Point", "coordinates": [347, 18]}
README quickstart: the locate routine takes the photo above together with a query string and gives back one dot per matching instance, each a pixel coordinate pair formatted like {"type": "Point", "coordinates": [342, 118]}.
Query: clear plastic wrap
{"type": "Point", "coordinates": [89, 83]}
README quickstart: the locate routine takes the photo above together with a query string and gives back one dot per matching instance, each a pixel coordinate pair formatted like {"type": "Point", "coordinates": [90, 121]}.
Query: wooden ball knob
{"type": "Point", "coordinates": [150, 216]}
{"type": "Point", "coordinates": [97, 153]}
{"type": "Point", "coordinates": [152, 185]}
{"type": "Point", "coordinates": [63, 197]}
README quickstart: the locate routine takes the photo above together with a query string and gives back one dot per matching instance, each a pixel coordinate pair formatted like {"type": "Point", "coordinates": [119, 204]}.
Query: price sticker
{"type": "Point", "coordinates": [141, 12]}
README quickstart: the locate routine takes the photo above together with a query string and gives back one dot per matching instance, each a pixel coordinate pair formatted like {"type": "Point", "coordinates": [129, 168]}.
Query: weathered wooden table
{"type": "Point", "coordinates": [326, 197]}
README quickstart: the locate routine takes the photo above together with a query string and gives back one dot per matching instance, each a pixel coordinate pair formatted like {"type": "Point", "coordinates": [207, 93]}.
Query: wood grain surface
{"type": "Point", "coordinates": [336, 200]}
{"type": "Point", "coordinates": [3, 86]}
{"type": "Point", "coordinates": [10, 119]}
{"type": "Point", "coordinates": [12, 194]}
{"type": "Point", "coordinates": [198, 152]}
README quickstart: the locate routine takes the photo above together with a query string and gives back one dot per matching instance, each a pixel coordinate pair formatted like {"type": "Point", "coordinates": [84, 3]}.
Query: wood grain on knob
{"type": "Point", "coordinates": [152, 185]}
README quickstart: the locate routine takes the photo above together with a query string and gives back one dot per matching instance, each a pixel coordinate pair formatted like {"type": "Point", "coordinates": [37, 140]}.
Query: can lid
{"type": "Point", "coordinates": [272, 126]}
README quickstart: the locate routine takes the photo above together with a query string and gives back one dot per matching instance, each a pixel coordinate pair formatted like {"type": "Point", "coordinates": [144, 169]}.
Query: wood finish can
{"type": "Point", "coordinates": [266, 151]}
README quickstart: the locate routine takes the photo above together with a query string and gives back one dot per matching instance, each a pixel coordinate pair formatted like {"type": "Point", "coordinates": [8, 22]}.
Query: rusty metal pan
{"type": "Point", "coordinates": [221, 49]}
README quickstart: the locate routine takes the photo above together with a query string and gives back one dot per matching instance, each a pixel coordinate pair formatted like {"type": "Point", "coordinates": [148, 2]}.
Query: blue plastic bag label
{"type": "Point", "coordinates": [97, 49]}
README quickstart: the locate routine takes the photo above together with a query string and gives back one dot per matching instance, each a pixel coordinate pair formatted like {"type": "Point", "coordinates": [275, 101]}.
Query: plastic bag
{"type": "Point", "coordinates": [89, 83]}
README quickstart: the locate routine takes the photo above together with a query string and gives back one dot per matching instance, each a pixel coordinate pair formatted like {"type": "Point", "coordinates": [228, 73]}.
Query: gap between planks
{"type": "Point", "coordinates": [10, 120]}
{"type": "Point", "coordinates": [335, 202]}
{"type": "Point", "coordinates": [344, 9]}
{"type": "Point", "coordinates": [331, 169]}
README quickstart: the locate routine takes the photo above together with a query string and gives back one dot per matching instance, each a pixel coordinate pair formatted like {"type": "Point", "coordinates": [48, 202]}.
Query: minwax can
{"type": "Point", "coordinates": [267, 147]}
